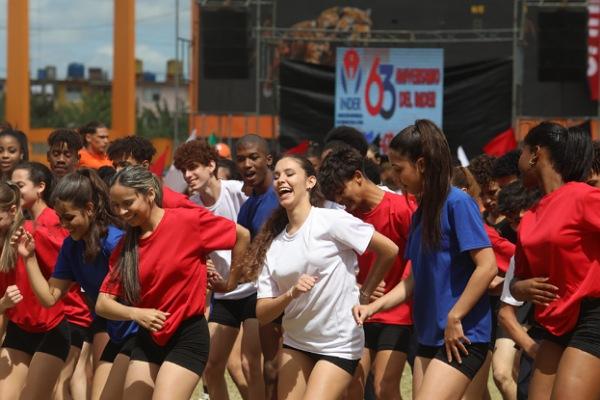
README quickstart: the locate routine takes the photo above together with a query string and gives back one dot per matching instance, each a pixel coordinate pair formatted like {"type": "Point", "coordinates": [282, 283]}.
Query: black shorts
{"type": "Point", "coordinates": [79, 334]}
{"type": "Point", "coordinates": [233, 312]}
{"type": "Point", "coordinates": [379, 337]}
{"type": "Point", "coordinates": [471, 363]}
{"type": "Point", "coordinates": [98, 326]}
{"type": "Point", "coordinates": [56, 342]}
{"type": "Point", "coordinates": [586, 335]}
{"type": "Point", "coordinates": [347, 365]}
{"type": "Point", "coordinates": [113, 349]}
{"type": "Point", "coordinates": [188, 347]}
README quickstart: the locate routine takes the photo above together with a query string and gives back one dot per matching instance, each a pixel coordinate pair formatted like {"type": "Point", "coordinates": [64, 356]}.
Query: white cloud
{"type": "Point", "coordinates": [64, 31]}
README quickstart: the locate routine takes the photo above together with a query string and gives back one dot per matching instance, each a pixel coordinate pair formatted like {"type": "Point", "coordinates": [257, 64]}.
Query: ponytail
{"type": "Point", "coordinates": [10, 196]}
{"type": "Point", "coordinates": [426, 141]}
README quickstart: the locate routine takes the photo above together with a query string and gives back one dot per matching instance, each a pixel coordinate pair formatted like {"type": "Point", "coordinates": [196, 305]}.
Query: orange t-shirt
{"type": "Point", "coordinates": [89, 160]}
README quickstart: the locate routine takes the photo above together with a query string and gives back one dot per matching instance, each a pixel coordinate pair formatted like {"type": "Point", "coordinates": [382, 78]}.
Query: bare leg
{"type": "Point", "coordinates": [44, 370]}
{"type": "Point", "coordinates": [115, 381]}
{"type": "Point", "coordinates": [419, 368]}
{"type": "Point", "coordinates": [174, 382]}
{"type": "Point", "coordinates": [252, 360]}
{"type": "Point", "coordinates": [387, 372]}
{"type": "Point", "coordinates": [478, 389]}
{"type": "Point", "coordinates": [544, 370]}
{"type": "Point", "coordinates": [294, 372]}
{"type": "Point", "coordinates": [577, 373]}
{"type": "Point", "coordinates": [139, 381]}
{"type": "Point", "coordinates": [356, 389]}
{"type": "Point", "coordinates": [81, 382]}
{"type": "Point", "coordinates": [222, 338]}
{"type": "Point", "coordinates": [234, 365]}
{"type": "Point", "coordinates": [62, 388]}
{"type": "Point", "coordinates": [503, 368]}
{"type": "Point", "coordinates": [327, 382]}
{"type": "Point", "coordinates": [270, 342]}
{"type": "Point", "coordinates": [14, 365]}
{"type": "Point", "coordinates": [443, 382]}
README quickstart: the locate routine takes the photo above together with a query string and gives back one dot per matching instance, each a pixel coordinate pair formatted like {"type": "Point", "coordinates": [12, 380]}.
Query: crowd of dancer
{"type": "Point", "coordinates": [315, 276]}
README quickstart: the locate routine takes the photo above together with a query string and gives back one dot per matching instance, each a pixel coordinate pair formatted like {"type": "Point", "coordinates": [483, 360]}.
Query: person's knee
{"type": "Point", "coordinates": [215, 369]}
{"type": "Point", "coordinates": [502, 376]}
{"type": "Point", "coordinates": [386, 388]}
{"type": "Point", "coordinates": [270, 370]}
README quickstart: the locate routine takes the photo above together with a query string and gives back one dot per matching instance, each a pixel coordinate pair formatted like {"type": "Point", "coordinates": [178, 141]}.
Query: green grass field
{"type": "Point", "coordinates": [405, 388]}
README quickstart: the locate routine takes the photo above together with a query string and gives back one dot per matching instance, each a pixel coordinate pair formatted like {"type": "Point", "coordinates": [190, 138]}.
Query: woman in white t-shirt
{"type": "Point", "coordinates": [308, 260]}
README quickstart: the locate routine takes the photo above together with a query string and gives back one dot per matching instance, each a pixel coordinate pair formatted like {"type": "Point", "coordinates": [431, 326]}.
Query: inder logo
{"type": "Point", "coordinates": [351, 74]}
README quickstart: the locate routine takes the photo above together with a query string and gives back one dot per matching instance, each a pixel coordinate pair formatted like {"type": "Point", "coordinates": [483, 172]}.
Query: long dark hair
{"type": "Point", "coordinates": [80, 188]}
{"type": "Point", "coordinates": [426, 140]}
{"type": "Point", "coordinates": [39, 173]}
{"type": "Point", "coordinates": [142, 181]}
{"type": "Point", "coordinates": [571, 149]}
{"type": "Point", "coordinates": [254, 258]}
{"type": "Point", "coordinates": [10, 196]}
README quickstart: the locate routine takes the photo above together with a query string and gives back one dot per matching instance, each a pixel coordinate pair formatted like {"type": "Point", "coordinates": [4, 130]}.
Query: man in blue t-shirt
{"type": "Point", "coordinates": [254, 161]}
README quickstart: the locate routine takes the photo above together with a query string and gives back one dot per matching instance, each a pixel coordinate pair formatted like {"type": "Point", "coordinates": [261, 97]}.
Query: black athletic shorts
{"type": "Point", "coordinates": [56, 342]}
{"type": "Point", "coordinates": [98, 326]}
{"type": "Point", "coordinates": [471, 363]}
{"type": "Point", "coordinates": [233, 312]}
{"type": "Point", "coordinates": [113, 349]}
{"type": "Point", "coordinates": [79, 334]}
{"type": "Point", "coordinates": [188, 347]}
{"type": "Point", "coordinates": [586, 335]}
{"type": "Point", "coordinates": [347, 365]}
{"type": "Point", "coordinates": [379, 336]}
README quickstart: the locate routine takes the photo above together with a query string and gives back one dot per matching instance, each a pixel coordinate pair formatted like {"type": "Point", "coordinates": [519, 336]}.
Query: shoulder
{"type": "Point", "coordinates": [113, 237]}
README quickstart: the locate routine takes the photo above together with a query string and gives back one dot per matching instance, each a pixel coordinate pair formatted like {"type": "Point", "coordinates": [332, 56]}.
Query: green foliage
{"type": "Point", "coordinates": [92, 107]}
{"type": "Point", "coordinates": [160, 122]}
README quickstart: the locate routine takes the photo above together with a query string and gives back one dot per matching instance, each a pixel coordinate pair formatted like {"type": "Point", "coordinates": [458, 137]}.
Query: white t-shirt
{"type": "Point", "coordinates": [506, 296]}
{"type": "Point", "coordinates": [228, 206]}
{"type": "Point", "coordinates": [319, 321]}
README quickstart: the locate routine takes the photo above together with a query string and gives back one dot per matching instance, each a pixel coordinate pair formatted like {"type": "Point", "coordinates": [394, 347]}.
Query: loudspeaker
{"type": "Point", "coordinates": [224, 44]}
{"type": "Point", "coordinates": [562, 45]}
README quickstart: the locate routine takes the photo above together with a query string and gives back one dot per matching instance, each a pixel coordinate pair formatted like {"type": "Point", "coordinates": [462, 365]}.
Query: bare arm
{"type": "Point", "coordinates": [386, 252]}
{"type": "Point", "coordinates": [485, 271]}
{"type": "Point", "coordinates": [399, 294]}
{"type": "Point", "coordinates": [268, 309]}
{"type": "Point", "coordinates": [507, 317]}
{"type": "Point", "coordinates": [108, 307]}
{"type": "Point", "coordinates": [241, 245]}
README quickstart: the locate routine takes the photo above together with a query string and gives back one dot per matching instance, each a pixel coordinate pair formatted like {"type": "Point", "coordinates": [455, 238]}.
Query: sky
{"type": "Point", "coordinates": [64, 31]}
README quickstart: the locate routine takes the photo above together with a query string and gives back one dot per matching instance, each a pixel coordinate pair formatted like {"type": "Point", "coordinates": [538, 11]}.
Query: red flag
{"type": "Point", "coordinates": [593, 72]}
{"type": "Point", "coordinates": [301, 148]}
{"type": "Point", "coordinates": [158, 166]}
{"type": "Point", "coordinates": [501, 143]}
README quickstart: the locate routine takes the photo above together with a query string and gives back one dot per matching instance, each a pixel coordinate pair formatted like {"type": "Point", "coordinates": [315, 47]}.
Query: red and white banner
{"type": "Point", "coordinates": [593, 70]}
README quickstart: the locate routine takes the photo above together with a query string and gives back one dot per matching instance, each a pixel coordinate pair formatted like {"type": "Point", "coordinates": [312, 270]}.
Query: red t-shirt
{"type": "Point", "coordinates": [172, 264]}
{"type": "Point", "coordinates": [559, 238]}
{"type": "Point", "coordinates": [76, 308]}
{"type": "Point", "coordinates": [391, 217]}
{"type": "Point", "coordinates": [29, 314]}
{"type": "Point", "coordinates": [173, 199]}
{"type": "Point", "coordinates": [503, 248]}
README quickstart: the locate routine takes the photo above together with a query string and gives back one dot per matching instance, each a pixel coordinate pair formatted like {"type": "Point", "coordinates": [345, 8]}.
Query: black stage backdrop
{"type": "Point", "coordinates": [477, 103]}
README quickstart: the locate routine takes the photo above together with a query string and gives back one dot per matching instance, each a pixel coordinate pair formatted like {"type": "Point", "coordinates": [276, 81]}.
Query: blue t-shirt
{"type": "Point", "coordinates": [257, 209]}
{"type": "Point", "coordinates": [71, 266]}
{"type": "Point", "coordinates": [441, 275]}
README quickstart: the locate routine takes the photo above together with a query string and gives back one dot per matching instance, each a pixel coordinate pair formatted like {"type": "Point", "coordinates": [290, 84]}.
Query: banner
{"type": "Point", "coordinates": [380, 91]}
{"type": "Point", "coordinates": [593, 48]}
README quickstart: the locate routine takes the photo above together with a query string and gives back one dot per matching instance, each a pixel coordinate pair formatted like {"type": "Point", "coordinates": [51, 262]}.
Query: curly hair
{"type": "Point", "coordinates": [481, 167]}
{"type": "Point", "coordinates": [350, 136]}
{"type": "Point", "coordinates": [194, 152]}
{"type": "Point", "coordinates": [337, 169]}
{"type": "Point", "coordinates": [514, 198]}
{"type": "Point", "coordinates": [139, 148]}
{"type": "Point", "coordinates": [68, 136]}
{"type": "Point", "coordinates": [507, 165]}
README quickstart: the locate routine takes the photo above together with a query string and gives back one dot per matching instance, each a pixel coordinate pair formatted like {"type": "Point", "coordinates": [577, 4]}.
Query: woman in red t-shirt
{"type": "Point", "coordinates": [37, 340]}
{"type": "Point", "coordinates": [159, 272]}
{"type": "Point", "coordinates": [35, 182]}
{"type": "Point", "coordinates": [558, 260]}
